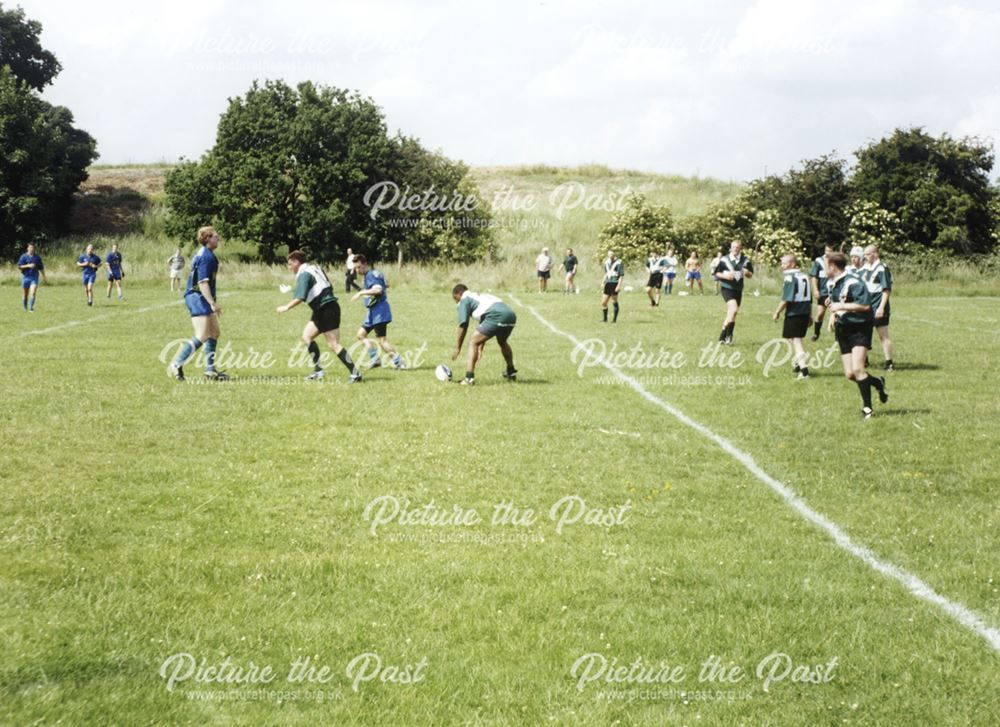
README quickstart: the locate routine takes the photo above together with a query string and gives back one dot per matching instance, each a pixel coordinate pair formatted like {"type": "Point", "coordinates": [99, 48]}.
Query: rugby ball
{"type": "Point", "coordinates": [443, 373]}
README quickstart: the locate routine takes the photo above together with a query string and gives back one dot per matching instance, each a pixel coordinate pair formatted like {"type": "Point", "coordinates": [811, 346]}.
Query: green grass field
{"type": "Point", "coordinates": [143, 519]}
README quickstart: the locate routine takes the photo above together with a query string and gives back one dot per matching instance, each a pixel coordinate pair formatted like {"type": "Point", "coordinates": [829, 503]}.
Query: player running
{"type": "Point", "coordinates": [879, 281]}
{"type": "Point", "coordinates": [820, 288]}
{"type": "Point", "coordinates": [614, 273]}
{"type": "Point", "coordinates": [89, 263]}
{"type": "Point", "coordinates": [203, 306]}
{"type": "Point", "coordinates": [31, 266]}
{"type": "Point", "coordinates": [796, 302]}
{"type": "Point", "coordinates": [496, 319]}
{"type": "Point", "coordinates": [115, 274]}
{"type": "Point", "coordinates": [655, 282]}
{"type": "Point", "coordinates": [850, 304]}
{"type": "Point", "coordinates": [376, 293]}
{"type": "Point", "coordinates": [731, 271]}
{"type": "Point", "coordinates": [313, 287]}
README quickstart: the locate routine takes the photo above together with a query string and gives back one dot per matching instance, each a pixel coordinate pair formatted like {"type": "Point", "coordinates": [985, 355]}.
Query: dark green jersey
{"type": "Point", "coordinates": [569, 263]}
{"type": "Point", "coordinates": [849, 288]}
{"type": "Point", "coordinates": [796, 292]}
{"type": "Point", "coordinates": [878, 278]}
{"type": "Point", "coordinates": [819, 272]}
{"type": "Point", "coordinates": [313, 287]}
{"type": "Point", "coordinates": [614, 271]}
{"type": "Point", "coordinates": [729, 264]}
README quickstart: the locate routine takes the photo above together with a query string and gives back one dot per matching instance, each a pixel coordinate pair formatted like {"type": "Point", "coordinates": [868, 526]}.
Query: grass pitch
{"type": "Point", "coordinates": [155, 532]}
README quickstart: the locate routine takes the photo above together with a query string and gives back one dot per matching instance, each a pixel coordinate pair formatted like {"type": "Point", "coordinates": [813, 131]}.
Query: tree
{"type": "Point", "coordinates": [45, 158]}
{"type": "Point", "coordinates": [938, 188]}
{"type": "Point", "coordinates": [302, 168]}
{"type": "Point", "coordinates": [636, 230]}
{"type": "Point", "coordinates": [21, 50]}
{"type": "Point", "coordinates": [810, 202]}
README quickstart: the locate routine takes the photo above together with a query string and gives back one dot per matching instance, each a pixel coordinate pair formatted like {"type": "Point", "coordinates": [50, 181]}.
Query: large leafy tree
{"type": "Point", "coordinates": [938, 188]}
{"type": "Point", "coordinates": [293, 167]}
{"type": "Point", "coordinates": [45, 157]}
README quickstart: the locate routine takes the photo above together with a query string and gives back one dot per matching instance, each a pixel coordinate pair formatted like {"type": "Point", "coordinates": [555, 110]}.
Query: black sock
{"type": "Point", "coordinates": [615, 318]}
{"type": "Point", "coordinates": [722, 336]}
{"type": "Point", "coordinates": [470, 374]}
{"type": "Point", "coordinates": [805, 371]}
{"type": "Point", "coordinates": [817, 326]}
{"type": "Point", "coordinates": [876, 382]}
{"type": "Point", "coordinates": [345, 358]}
{"type": "Point", "coordinates": [729, 329]}
{"type": "Point", "coordinates": [865, 385]}
{"type": "Point", "coordinates": [605, 312]}
{"type": "Point", "coordinates": [314, 355]}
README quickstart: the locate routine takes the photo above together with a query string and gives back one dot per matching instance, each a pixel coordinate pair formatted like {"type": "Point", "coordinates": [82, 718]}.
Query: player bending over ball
{"type": "Point", "coordinates": [89, 262]}
{"type": "Point", "coordinates": [851, 306]}
{"type": "Point", "coordinates": [201, 302]}
{"type": "Point", "coordinates": [495, 318]}
{"type": "Point", "coordinates": [796, 302]}
{"type": "Point", "coordinates": [31, 266]}
{"type": "Point", "coordinates": [313, 287]}
{"type": "Point", "coordinates": [376, 294]}
{"type": "Point", "coordinates": [115, 274]}
{"type": "Point", "coordinates": [731, 271]}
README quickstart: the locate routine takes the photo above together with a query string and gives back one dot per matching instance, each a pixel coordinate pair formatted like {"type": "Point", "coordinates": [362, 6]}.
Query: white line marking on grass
{"type": "Point", "coordinates": [952, 326]}
{"type": "Point", "coordinates": [965, 616]}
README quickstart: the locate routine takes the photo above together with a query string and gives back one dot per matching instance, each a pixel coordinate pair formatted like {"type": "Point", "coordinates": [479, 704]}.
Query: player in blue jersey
{"type": "Point", "coordinates": [89, 263]}
{"type": "Point", "coordinates": [851, 306]}
{"type": "Point", "coordinates": [31, 266]}
{"type": "Point", "coordinates": [115, 274]}
{"type": "Point", "coordinates": [203, 306]}
{"type": "Point", "coordinates": [314, 288]}
{"type": "Point", "coordinates": [375, 291]}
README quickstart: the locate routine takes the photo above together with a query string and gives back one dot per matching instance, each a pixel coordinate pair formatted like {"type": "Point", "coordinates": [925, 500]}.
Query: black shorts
{"type": "Point", "coordinates": [610, 288]}
{"type": "Point", "coordinates": [655, 280]}
{"type": "Point", "coordinates": [852, 335]}
{"type": "Point", "coordinates": [729, 294]}
{"type": "Point", "coordinates": [492, 330]}
{"type": "Point", "coordinates": [795, 327]}
{"type": "Point", "coordinates": [884, 320]}
{"type": "Point", "coordinates": [824, 300]}
{"type": "Point", "coordinates": [379, 329]}
{"type": "Point", "coordinates": [544, 274]}
{"type": "Point", "coordinates": [327, 318]}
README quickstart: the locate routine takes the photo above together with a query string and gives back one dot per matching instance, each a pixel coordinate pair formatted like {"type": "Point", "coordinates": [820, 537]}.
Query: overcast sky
{"type": "Point", "coordinates": [718, 88]}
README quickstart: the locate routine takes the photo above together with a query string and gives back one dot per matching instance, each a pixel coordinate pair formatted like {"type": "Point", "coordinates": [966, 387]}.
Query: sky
{"type": "Point", "coordinates": [725, 89]}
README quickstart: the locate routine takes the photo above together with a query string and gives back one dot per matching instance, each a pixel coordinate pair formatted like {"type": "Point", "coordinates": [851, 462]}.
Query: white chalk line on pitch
{"type": "Point", "coordinates": [965, 616]}
{"type": "Point", "coordinates": [102, 317]}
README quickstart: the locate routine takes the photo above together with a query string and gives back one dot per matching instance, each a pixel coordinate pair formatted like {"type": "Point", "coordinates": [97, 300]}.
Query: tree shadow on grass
{"type": "Point", "coordinates": [903, 412]}
{"type": "Point", "coordinates": [906, 366]}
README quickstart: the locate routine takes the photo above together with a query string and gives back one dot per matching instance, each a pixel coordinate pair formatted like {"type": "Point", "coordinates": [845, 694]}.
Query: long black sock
{"type": "Point", "coordinates": [605, 312]}
{"type": "Point", "coordinates": [875, 381]}
{"type": "Point", "coordinates": [314, 355]}
{"type": "Point", "coordinates": [345, 358]}
{"type": "Point", "coordinates": [729, 329]}
{"type": "Point", "coordinates": [865, 385]}
{"type": "Point", "coordinates": [817, 326]}
{"type": "Point", "coordinates": [722, 335]}
{"type": "Point", "coordinates": [615, 318]}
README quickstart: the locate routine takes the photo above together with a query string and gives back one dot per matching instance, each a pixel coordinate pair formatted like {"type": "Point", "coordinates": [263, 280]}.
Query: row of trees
{"type": "Point", "coordinates": [911, 193]}
{"type": "Point", "coordinates": [45, 157]}
{"type": "Point", "coordinates": [314, 168]}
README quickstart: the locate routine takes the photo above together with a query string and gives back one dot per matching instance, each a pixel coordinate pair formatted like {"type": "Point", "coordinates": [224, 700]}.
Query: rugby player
{"type": "Point", "coordinates": [796, 302]}
{"type": "Point", "coordinates": [731, 271]}
{"type": "Point", "coordinates": [31, 266]}
{"type": "Point", "coordinates": [614, 273]}
{"type": "Point", "coordinates": [89, 262]}
{"type": "Point", "coordinates": [376, 293]}
{"type": "Point", "coordinates": [496, 319]}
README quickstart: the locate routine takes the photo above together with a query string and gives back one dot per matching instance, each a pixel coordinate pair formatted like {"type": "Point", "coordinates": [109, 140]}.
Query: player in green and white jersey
{"type": "Point", "coordinates": [314, 288]}
{"type": "Point", "coordinates": [796, 302]}
{"type": "Point", "coordinates": [820, 288]}
{"type": "Point", "coordinates": [879, 280]}
{"type": "Point", "coordinates": [496, 320]}
{"type": "Point", "coordinates": [655, 282]}
{"type": "Point", "coordinates": [851, 306]}
{"type": "Point", "coordinates": [731, 271]}
{"type": "Point", "coordinates": [614, 274]}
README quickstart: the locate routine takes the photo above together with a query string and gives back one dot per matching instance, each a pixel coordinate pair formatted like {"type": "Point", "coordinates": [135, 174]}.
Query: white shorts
{"type": "Point", "coordinates": [175, 274]}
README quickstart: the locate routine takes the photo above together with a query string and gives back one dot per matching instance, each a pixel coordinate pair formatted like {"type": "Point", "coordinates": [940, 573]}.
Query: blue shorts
{"type": "Point", "coordinates": [693, 275]}
{"type": "Point", "coordinates": [28, 282]}
{"type": "Point", "coordinates": [197, 305]}
{"type": "Point", "coordinates": [114, 275]}
{"type": "Point", "coordinates": [671, 276]}
{"type": "Point", "coordinates": [90, 278]}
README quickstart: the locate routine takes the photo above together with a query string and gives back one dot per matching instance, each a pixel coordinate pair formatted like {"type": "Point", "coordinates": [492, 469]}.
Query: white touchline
{"type": "Point", "coordinates": [104, 316]}
{"type": "Point", "coordinates": [965, 616]}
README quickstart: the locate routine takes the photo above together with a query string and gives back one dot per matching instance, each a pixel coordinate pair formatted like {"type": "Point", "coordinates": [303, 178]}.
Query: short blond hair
{"type": "Point", "coordinates": [204, 233]}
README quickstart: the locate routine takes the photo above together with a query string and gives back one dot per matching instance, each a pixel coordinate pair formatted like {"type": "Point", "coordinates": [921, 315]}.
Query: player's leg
{"type": "Point", "coordinates": [604, 305]}
{"type": "Point", "coordinates": [801, 358]}
{"type": "Point", "coordinates": [369, 348]}
{"type": "Point", "coordinates": [883, 336]}
{"type": "Point", "coordinates": [729, 324]}
{"type": "Point", "coordinates": [333, 341]}
{"type": "Point", "coordinates": [118, 285]}
{"type": "Point", "coordinates": [32, 292]}
{"type": "Point", "coordinates": [383, 344]}
{"type": "Point", "coordinates": [818, 321]}
{"type": "Point", "coordinates": [110, 283]}
{"type": "Point", "coordinates": [614, 305]}
{"type": "Point", "coordinates": [476, 346]}
{"type": "Point", "coordinates": [212, 333]}
{"type": "Point", "coordinates": [503, 338]}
